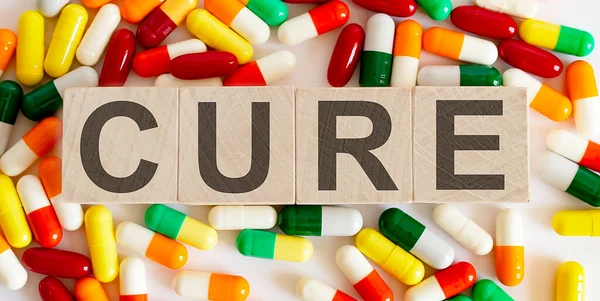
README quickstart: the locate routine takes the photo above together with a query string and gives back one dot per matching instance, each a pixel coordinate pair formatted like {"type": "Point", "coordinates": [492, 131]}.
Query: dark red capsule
{"type": "Point", "coordinates": [155, 29]}
{"type": "Point", "coordinates": [345, 55]}
{"type": "Point", "coordinates": [484, 22]}
{"type": "Point", "coordinates": [119, 57]}
{"type": "Point", "coordinates": [51, 289]}
{"type": "Point", "coordinates": [396, 8]}
{"type": "Point", "coordinates": [203, 65]}
{"type": "Point", "coordinates": [530, 58]}
{"type": "Point", "coordinates": [57, 263]}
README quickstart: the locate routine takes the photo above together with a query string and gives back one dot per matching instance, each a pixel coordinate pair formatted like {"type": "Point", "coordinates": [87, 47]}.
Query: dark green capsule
{"type": "Point", "coordinates": [400, 228]}
{"type": "Point", "coordinates": [11, 95]}
{"type": "Point", "coordinates": [586, 186]}
{"type": "Point", "coordinates": [42, 102]}
{"type": "Point", "coordinates": [438, 10]}
{"type": "Point", "coordinates": [301, 220]}
{"type": "Point", "coordinates": [487, 290]}
{"type": "Point", "coordinates": [459, 298]}
{"type": "Point", "coordinates": [375, 69]}
{"type": "Point", "coordinates": [273, 12]}
{"type": "Point", "coordinates": [479, 75]}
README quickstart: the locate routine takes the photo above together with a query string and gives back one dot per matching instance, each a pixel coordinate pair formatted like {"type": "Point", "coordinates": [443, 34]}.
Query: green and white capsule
{"type": "Point", "coordinates": [11, 95]}
{"type": "Point", "coordinates": [464, 75]}
{"type": "Point", "coordinates": [316, 220]}
{"type": "Point", "coordinates": [376, 60]}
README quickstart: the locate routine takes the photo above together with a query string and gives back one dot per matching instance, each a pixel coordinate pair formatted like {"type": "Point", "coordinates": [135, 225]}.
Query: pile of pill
{"type": "Point", "coordinates": [221, 54]}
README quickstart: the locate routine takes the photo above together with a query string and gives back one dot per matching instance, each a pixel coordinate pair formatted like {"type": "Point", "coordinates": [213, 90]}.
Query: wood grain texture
{"type": "Point", "coordinates": [122, 145]}
{"type": "Point", "coordinates": [249, 122]}
{"type": "Point", "coordinates": [326, 114]}
{"type": "Point", "coordinates": [486, 139]}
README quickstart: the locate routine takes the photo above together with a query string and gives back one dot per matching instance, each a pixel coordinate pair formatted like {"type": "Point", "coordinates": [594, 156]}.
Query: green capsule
{"type": "Point", "coordinates": [269, 245]}
{"type": "Point", "coordinates": [273, 12]}
{"type": "Point", "coordinates": [315, 220]}
{"type": "Point", "coordinates": [487, 290]}
{"type": "Point", "coordinates": [459, 298]}
{"type": "Point", "coordinates": [376, 60]}
{"type": "Point", "coordinates": [11, 95]}
{"type": "Point", "coordinates": [557, 37]}
{"type": "Point", "coordinates": [479, 75]}
{"type": "Point", "coordinates": [438, 10]}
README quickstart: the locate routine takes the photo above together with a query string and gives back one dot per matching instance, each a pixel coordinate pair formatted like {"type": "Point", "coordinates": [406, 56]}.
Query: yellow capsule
{"type": "Point", "coordinates": [12, 218]}
{"type": "Point", "coordinates": [101, 242]}
{"type": "Point", "coordinates": [65, 40]}
{"type": "Point", "coordinates": [30, 48]}
{"type": "Point", "coordinates": [570, 282]}
{"type": "Point", "coordinates": [217, 35]}
{"type": "Point", "coordinates": [392, 258]}
{"type": "Point", "coordinates": [577, 223]}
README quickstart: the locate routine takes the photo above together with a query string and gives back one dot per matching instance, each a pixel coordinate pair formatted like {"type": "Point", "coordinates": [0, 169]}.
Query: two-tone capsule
{"type": "Point", "coordinates": [97, 37]}
{"type": "Point", "coordinates": [168, 80]}
{"type": "Point", "coordinates": [363, 277]}
{"type": "Point", "coordinates": [570, 282]}
{"type": "Point", "coordinates": [583, 92]}
{"type": "Point", "coordinates": [163, 21]}
{"type": "Point", "coordinates": [316, 220]}
{"type": "Point", "coordinates": [483, 22]}
{"type": "Point", "coordinates": [102, 245]}
{"type": "Point", "coordinates": [211, 286]}
{"type": "Point", "coordinates": [315, 22]}
{"type": "Point", "coordinates": [392, 258]}
{"type": "Point", "coordinates": [459, 46]}
{"type": "Point", "coordinates": [237, 16]}
{"type": "Point", "coordinates": [178, 226]}
{"type": "Point", "coordinates": [376, 60]}
{"type": "Point", "coordinates": [577, 223]}
{"type": "Point", "coordinates": [57, 263]}
{"type": "Point", "coordinates": [463, 229]}
{"type": "Point", "coordinates": [510, 249]}
{"type": "Point", "coordinates": [70, 215]}
{"type": "Point", "coordinates": [407, 53]}
{"type": "Point", "coordinates": [8, 44]}
{"type": "Point", "coordinates": [463, 75]}
{"type": "Point", "coordinates": [132, 280]}
{"type": "Point", "coordinates": [65, 40]}
{"type": "Point", "coordinates": [30, 48]}
{"type": "Point", "coordinates": [396, 8]}
{"type": "Point", "coordinates": [242, 217]}
{"type": "Point", "coordinates": [203, 65]}
{"type": "Point", "coordinates": [273, 12]}
{"type": "Point", "coordinates": [414, 237]}
{"type": "Point", "coordinates": [309, 289]}
{"type": "Point", "coordinates": [12, 218]}
{"type": "Point", "coordinates": [269, 245]}
{"type": "Point", "coordinates": [438, 10]}
{"type": "Point", "coordinates": [44, 224]}
{"type": "Point", "coordinates": [12, 273]}
{"type": "Point", "coordinates": [118, 60]}
{"type": "Point", "coordinates": [157, 61]}
{"type": "Point", "coordinates": [11, 94]}
{"type": "Point", "coordinates": [52, 289]}
{"type": "Point", "coordinates": [575, 148]}
{"type": "Point", "coordinates": [264, 71]}
{"type": "Point", "coordinates": [540, 97]}
{"type": "Point", "coordinates": [487, 290]}
{"type": "Point", "coordinates": [89, 289]}
{"type": "Point", "coordinates": [530, 58]}
{"type": "Point", "coordinates": [518, 8]}
{"type": "Point", "coordinates": [35, 144]}
{"type": "Point", "coordinates": [444, 284]}
{"type": "Point", "coordinates": [134, 11]}
{"type": "Point", "coordinates": [94, 3]}
{"type": "Point", "coordinates": [557, 37]}
{"type": "Point", "coordinates": [51, 8]}
{"type": "Point", "coordinates": [345, 55]}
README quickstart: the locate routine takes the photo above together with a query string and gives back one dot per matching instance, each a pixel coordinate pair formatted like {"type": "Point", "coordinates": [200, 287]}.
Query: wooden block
{"type": "Point", "coordinates": [353, 146]}
{"type": "Point", "coordinates": [236, 145]}
{"type": "Point", "coordinates": [120, 145]}
{"type": "Point", "coordinates": [471, 145]}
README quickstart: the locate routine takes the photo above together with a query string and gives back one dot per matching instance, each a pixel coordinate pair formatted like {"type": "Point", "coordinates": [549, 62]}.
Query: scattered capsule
{"type": "Point", "coordinates": [8, 44]}
{"type": "Point", "coordinates": [510, 250]}
{"type": "Point", "coordinates": [156, 61]}
{"type": "Point", "coordinates": [101, 242]}
{"type": "Point", "coordinates": [376, 60]}
{"type": "Point", "coordinates": [396, 8]}
{"type": "Point", "coordinates": [443, 284]}
{"type": "Point", "coordinates": [51, 289]}
{"type": "Point", "coordinates": [132, 280]}
{"type": "Point", "coordinates": [242, 217]}
{"type": "Point", "coordinates": [237, 16]}
{"type": "Point", "coordinates": [163, 21]}
{"type": "Point", "coordinates": [273, 12]}
{"type": "Point", "coordinates": [583, 92]}
{"type": "Point", "coordinates": [438, 10]}
{"type": "Point", "coordinates": [264, 71]}
{"type": "Point", "coordinates": [313, 290]}
{"type": "Point", "coordinates": [168, 80]}
{"type": "Point", "coordinates": [577, 223]}
{"type": "Point", "coordinates": [575, 148]}
{"type": "Point", "coordinates": [57, 263]}
{"type": "Point", "coordinates": [12, 218]}
{"type": "Point", "coordinates": [555, 37]}
{"type": "Point", "coordinates": [51, 8]}
{"type": "Point", "coordinates": [134, 11]}
{"type": "Point", "coordinates": [530, 58]}
{"type": "Point", "coordinates": [45, 100]}
{"type": "Point", "coordinates": [407, 52]}
{"type": "Point", "coordinates": [317, 21]}
{"type": "Point", "coordinates": [316, 220]}
{"type": "Point", "coordinates": [89, 289]}
{"type": "Point", "coordinates": [345, 55]}
{"type": "Point", "coordinates": [94, 3]}
{"type": "Point", "coordinates": [35, 144]}
{"type": "Point", "coordinates": [487, 290]}
{"type": "Point", "coordinates": [365, 280]}
{"type": "Point", "coordinates": [463, 75]}
{"type": "Point", "coordinates": [98, 35]}
{"type": "Point", "coordinates": [203, 65]}
{"type": "Point", "coordinates": [118, 60]}
{"type": "Point", "coordinates": [483, 22]}
{"type": "Point", "coordinates": [540, 97]}
{"type": "Point", "coordinates": [44, 224]}
{"type": "Point", "coordinates": [415, 238]}
{"type": "Point", "coordinates": [65, 40]}
{"type": "Point", "coordinates": [464, 230]}
{"type": "Point", "coordinates": [11, 95]}
{"type": "Point", "coordinates": [12, 273]}
{"type": "Point", "coordinates": [459, 46]}
{"type": "Point", "coordinates": [176, 225]}
{"type": "Point", "coordinates": [217, 35]}
{"type": "Point", "coordinates": [30, 48]}
{"type": "Point", "coordinates": [154, 246]}
{"type": "Point", "coordinates": [570, 282]}
{"type": "Point", "coordinates": [567, 176]}
{"type": "Point", "coordinates": [518, 8]}
{"type": "Point", "coordinates": [390, 257]}
{"type": "Point", "coordinates": [211, 286]}
{"type": "Point", "coordinates": [269, 245]}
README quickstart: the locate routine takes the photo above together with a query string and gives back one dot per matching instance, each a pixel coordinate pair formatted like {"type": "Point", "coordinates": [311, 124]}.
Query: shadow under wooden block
{"type": "Point", "coordinates": [353, 146]}
{"type": "Point", "coordinates": [120, 145]}
{"type": "Point", "coordinates": [236, 145]}
{"type": "Point", "coordinates": [471, 145]}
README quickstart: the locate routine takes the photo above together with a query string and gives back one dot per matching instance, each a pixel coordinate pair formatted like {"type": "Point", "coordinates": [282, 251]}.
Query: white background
{"type": "Point", "coordinates": [272, 280]}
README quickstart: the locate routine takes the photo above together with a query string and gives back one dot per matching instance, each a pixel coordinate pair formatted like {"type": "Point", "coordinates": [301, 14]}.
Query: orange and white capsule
{"type": "Point", "coordinates": [12, 273]}
{"type": "Point", "coordinates": [407, 52]}
{"type": "Point", "coordinates": [575, 148]}
{"type": "Point", "coordinates": [35, 144]}
{"type": "Point", "coordinates": [8, 44]}
{"type": "Point", "coordinates": [132, 280]}
{"type": "Point", "coordinates": [510, 250]}
{"type": "Point", "coordinates": [154, 246]}
{"type": "Point", "coordinates": [366, 281]}
{"type": "Point", "coordinates": [211, 286]}
{"type": "Point", "coordinates": [459, 46]}
{"type": "Point", "coordinates": [583, 92]}
{"type": "Point", "coordinates": [237, 16]}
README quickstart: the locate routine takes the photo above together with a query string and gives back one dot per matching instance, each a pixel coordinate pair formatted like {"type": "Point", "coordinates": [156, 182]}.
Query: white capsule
{"type": "Point", "coordinates": [568, 145]}
{"type": "Point", "coordinates": [427, 290]}
{"type": "Point", "coordinates": [132, 279]}
{"type": "Point", "coordinates": [509, 228]}
{"type": "Point", "coordinates": [463, 229]}
{"type": "Point", "coordinates": [51, 8]}
{"type": "Point", "coordinates": [12, 273]}
{"type": "Point", "coordinates": [168, 80]}
{"type": "Point", "coordinates": [276, 66]}
{"type": "Point", "coordinates": [185, 47]}
{"type": "Point", "coordinates": [439, 76]}
{"type": "Point", "coordinates": [526, 9]}
{"type": "Point", "coordinates": [353, 264]}
{"type": "Point", "coordinates": [98, 35]}
{"type": "Point", "coordinates": [32, 194]}
{"type": "Point", "coordinates": [379, 35]}
{"type": "Point", "coordinates": [242, 217]}
{"type": "Point", "coordinates": [79, 78]}
{"type": "Point", "coordinates": [297, 30]}
{"type": "Point", "coordinates": [69, 215]}
{"type": "Point", "coordinates": [309, 289]}
{"type": "Point", "coordinates": [478, 51]}
{"type": "Point", "coordinates": [556, 170]}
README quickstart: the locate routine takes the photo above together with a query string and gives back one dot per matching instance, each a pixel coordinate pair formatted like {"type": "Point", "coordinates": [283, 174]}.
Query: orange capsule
{"type": "Point", "coordinates": [583, 91]}
{"type": "Point", "coordinates": [459, 46]}
{"type": "Point", "coordinates": [211, 286]}
{"type": "Point", "coordinates": [510, 250]}
{"type": "Point", "coordinates": [89, 289]}
{"type": "Point", "coordinates": [134, 11]}
{"type": "Point", "coordinates": [94, 3]}
{"type": "Point", "coordinates": [8, 44]}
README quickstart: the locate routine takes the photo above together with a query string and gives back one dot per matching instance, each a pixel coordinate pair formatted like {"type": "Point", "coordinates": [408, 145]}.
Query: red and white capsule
{"type": "Point", "coordinates": [155, 62]}
{"type": "Point", "coordinates": [313, 290]}
{"type": "Point", "coordinates": [132, 280]}
{"type": "Point", "coordinates": [315, 22]}
{"type": "Point", "coordinates": [263, 71]}
{"type": "Point", "coordinates": [575, 148]}
{"type": "Point", "coordinates": [444, 284]}
{"type": "Point", "coordinates": [367, 282]}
